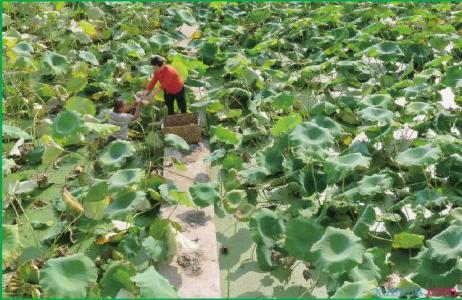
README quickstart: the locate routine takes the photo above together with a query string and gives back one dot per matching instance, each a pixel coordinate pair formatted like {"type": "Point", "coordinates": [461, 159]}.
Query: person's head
{"type": "Point", "coordinates": [120, 106]}
{"type": "Point", "coordinates": [157, 62]}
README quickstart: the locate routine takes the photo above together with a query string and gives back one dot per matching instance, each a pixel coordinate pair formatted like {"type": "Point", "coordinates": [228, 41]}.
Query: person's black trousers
{"type": "Point", "coordinates": [180, 100]}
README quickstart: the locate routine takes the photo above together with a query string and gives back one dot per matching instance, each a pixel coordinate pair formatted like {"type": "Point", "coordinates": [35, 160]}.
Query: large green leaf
{"type": "Point", "coordinates": [431, 273]}
{"type": "Point", "coordinates": [55, 62]}
{"type": "Point", "coordinates": [125, 202]}
{"type": "Point", "coordinates": [374, 184]}
{"type": "Point", "coordinates": [364, 222]}
{"type": "Point", "coordinates": [116, 277]}
{"type": "Point", "coordinates": [81, 105]}
{"type": "Point", "coordinates": [155, 249]}
{"type": "Point", "coordinates": [265, 227]}
{"type": "Point", "coordinates": [286, 123]}
{"type": "Point", "coordinates": [153, 285]}
{"type": "Point", "coordinates": [76, 84]}
{"type": "Point", "coordinates": [338, 167]}
{"type": "Point", "coordinates": [89, 57]}
{"type": "Point", "coordinates": [301, 234]}
{"type": "Point", "coordinates": [116, 153]}
{"type": "Point", "coordinates": [453, 76]}
{"type": "Point", "coordinates": [419, 156]}
{"type": "Point", "coordinates": [311, 138]}
{"type": "Point", "coordinates": [338, 250]}
{"type": "Point", "coordinates": [176, 142]}
{"type": "Point", "coordinates": [224, 135]}
{"type": "Point", "coordinates": [15, 132]}
{"type": "Point", "coordinates": [125, 178]}
{"type": "Point", "coordinates": [447, 244]}
{"type": "Point", "coordinates": [204, 193]}
{"type": "Point", "coordinates": [66, 124]}
{"type": "Point", "coordinates": [353, 290]}
{"type": "Point", "coordinates": [68, 277]}
{"type": "Point", "coordinates": [374, 114]}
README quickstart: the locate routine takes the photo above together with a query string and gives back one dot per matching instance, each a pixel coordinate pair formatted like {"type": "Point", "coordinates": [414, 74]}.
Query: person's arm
{"type": "Point", "coordinates": [136, 114]}
{"type": "Point", "coordinates": [151, 84]}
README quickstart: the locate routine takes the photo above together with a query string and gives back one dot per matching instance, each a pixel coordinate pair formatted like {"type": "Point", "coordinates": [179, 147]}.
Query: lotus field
{"type": "Point", "coordinates": [335, 132]}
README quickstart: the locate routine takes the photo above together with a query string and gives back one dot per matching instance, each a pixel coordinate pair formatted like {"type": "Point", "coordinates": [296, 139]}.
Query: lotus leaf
{"type": "Point", "coordinates": [338, 250]}
{"type": "Point", "coordinates": [68, 277]}
{"type": "Point", "coordinates": [124, 178]}
{"type": "Point", "coordinates": [374, 184]}
{"type": "Point", "coordinates": [419, 156]}
{"type": "Point", "coordinates": [301, 234]}
{"type": "Point", "coordinates": [116, 277]}
{"type": "Point", "coordinates": [66, 124]}
{"type": "Point", "coordinates": [265, 227]}
{"type": "Point", "coordinates": [116, 153]}
{"type": "Point", "coordinates": [153, 285]}
{"type": "Point", "coordinates": [204, 194]}
{"type": "Point", "coordinates": [176, 142]}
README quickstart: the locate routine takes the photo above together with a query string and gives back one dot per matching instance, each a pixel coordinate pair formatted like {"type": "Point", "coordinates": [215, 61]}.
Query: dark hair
{"type": "Point", "coordinates": [118, 104]}
{"type": "Point", "coordinates": [157, 60]}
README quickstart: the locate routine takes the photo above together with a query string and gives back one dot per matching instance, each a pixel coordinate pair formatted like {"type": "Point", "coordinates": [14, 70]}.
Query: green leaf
{"type": "Point", "coordinates": [234, 199]}
{"type": "Point", "coordinates": [55, 62]}
{"type": "Point", "coordinates": [176, 142]}
{"type": "Point", "coordinates": [406, 240]}
{"type": "Point", "coordinates": [430, 197]}
{"type": "Point", "coordinates": [378, 100]}
{"type": "Point", "coordinates": [52, 150]}
{"type": "Point", "coordinates": [353, 290]}
{"type": "Point", "coordinates": [433, 274]}
{"type": "Point", "coordinates": [364, 222]}
{"type": "Point", "coordinates": [11, 244]}
{"type": "Point", "coordinates": [419, 156]}
{"type": "Point", "coordinates": [367, 269]}
{"type": "Point", "coordinates": [155, 249]}
{"type": "Point", "coordinates": [185, 16]}
{"type": "Point", "coordinates": [81, 105]}
{"type": "Point", "coordinates": [224, 135]}
{"type": "Point", "coordinates": [181, 68]}
{"type": "Point", "coordinates": [125, 202]}
{"type": "Point", "coordinates": [311, 138]}
{"type": "Point", "coordinates": [339, 167]}
{"type": "Point", "coordinates": [301, 234]}
{"type": "Point", "coordinates": [15, 132]}
{"type": "Point", "coordinates": [418, 108]}
{"type": "Point", "coordinates": [89, 57]}
{"type": "Point", "coordinates": [286, 123]}
{"type": "Point", "coordinates": [116, 153]}
{"type": "Point", "coordinates": [153, 285]}
{"type": "Point", "coordinates": [447, 244]}
{"type": "Point", "coordinates": [23, 49]}
{"type": "Point", "coordinates": [374, 115]}
{"type": "Point", "coordinates": [338, 250]}
{"type": "Point", "coordinates": [265, 227]}
{"type": "Point", "coordinates": [125, 177]}
{"type": "Point", "coordinates": [66, 124]}
{"type": "Point", "coordinates": [76, 84]}
{"type": "Point", "coordinates": [374, 184]}
{"type": "Point", "coordinates": [68, 277]}
{"type": "Point", "coordinates": [283, 100]}
{"type": "Point", "coordinates": [116, 277]}
{"type": "Point", "coordinates": [264, 257]}
{"type": "Point", "coordinates": [453, 76]}
{"type": "Point", "coordinates": [101, 129]}
{"type": "Point", "coordinates": [204, 194]}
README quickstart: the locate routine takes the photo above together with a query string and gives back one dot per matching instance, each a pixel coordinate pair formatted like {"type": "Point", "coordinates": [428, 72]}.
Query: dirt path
{"type": "Point", "coordinates": [195, 270]}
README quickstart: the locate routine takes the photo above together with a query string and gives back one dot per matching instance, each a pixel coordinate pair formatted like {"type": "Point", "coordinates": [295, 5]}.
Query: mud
{"type": "Point", "coordinates": [191, 262]}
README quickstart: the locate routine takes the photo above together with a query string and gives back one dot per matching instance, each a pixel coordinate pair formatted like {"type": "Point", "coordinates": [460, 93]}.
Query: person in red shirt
{"type": "Point", "coordinates": [170, 82]}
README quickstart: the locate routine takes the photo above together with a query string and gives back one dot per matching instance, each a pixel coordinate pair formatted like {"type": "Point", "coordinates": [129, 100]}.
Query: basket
{"type": "Point", "coordinates": [184, 125]}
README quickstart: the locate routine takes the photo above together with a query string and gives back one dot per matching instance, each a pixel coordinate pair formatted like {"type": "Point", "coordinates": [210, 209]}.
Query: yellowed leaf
{"type": "Point", "coordinates": [60, 5]}
{"type": "Point", "coordinates": [88, 28]}
{"type": "Point", "coordinates": [9, 41]}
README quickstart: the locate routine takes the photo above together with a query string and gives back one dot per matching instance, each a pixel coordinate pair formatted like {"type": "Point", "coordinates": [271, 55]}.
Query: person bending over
{"type": "Point", "coordinates": [170, 82]}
